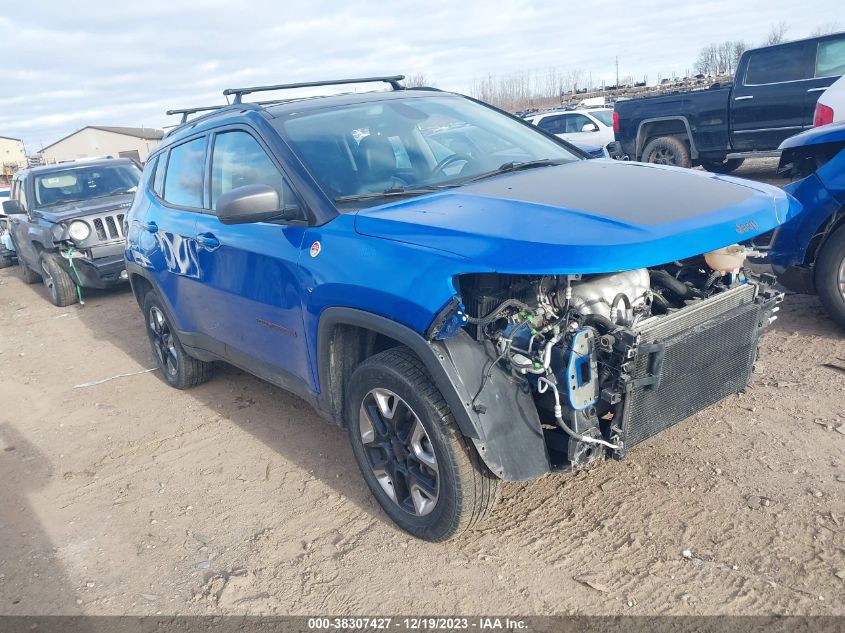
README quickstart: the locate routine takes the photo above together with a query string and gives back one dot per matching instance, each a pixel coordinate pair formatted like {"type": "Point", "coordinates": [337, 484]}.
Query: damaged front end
{"type": "Point", "coordinates": [595, 364]}
{"type": "Point", "coordinates": [90, 249]}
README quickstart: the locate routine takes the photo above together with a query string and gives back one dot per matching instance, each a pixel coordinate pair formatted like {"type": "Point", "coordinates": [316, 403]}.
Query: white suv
{"type": "Point", "coordinates": [593, 126]}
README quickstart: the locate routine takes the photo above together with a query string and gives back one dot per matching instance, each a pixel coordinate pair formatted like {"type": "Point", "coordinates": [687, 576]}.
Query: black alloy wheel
{"type": "Point", "coordinates": [399, 451]}
{"type": "Point", "coordinates": [163, 342]}
{"type": "Point", "coordinates": [180, 369]}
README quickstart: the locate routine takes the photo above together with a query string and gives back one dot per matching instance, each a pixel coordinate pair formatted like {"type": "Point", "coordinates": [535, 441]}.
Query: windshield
{"type": "Point", "coordinates": [605, 116]}
{"type": "Point", "coordinates": [412, 145]}
{"type": "Point", "coordinates": [84, 183]}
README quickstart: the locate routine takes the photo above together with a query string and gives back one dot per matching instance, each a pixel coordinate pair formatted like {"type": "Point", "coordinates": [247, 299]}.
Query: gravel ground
{"type": "Point", "coordinates": [129, 497]}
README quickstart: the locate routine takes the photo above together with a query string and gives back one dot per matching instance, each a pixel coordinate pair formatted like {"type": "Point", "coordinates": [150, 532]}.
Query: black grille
{"type": "Point", "coordinates": [109, 227]}
{"type": "Point", "coordinates": [701, 355]}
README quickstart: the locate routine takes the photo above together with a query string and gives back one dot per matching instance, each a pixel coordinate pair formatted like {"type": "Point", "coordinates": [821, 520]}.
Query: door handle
{"type": "Point", "coordinates": [152, 227]}
{"type": "Point", "coordinates": [744, 98]}
{"type": "Point", "coordinates": [208, 240]}
{"type": "Point", "coordinates": [817, 89]}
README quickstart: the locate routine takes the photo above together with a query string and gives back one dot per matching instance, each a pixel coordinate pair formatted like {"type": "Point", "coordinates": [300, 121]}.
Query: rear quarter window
{"type": "Point", "coordinates": [157, 174]}
{"type": "Point", "coordinates": [552, 124]}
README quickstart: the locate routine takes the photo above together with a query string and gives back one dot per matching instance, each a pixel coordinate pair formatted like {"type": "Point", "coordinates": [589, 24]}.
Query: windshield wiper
{"type": "Point", "coordinates": [393, 192]}
{"type": "Point", "coordinates": [515, 166]}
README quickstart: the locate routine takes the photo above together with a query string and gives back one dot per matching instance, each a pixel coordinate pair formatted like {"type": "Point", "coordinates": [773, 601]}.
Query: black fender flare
{"type": "Point", "coordinates": [640, 142]}
{"type": "Point", "coordinates": [504, 425]}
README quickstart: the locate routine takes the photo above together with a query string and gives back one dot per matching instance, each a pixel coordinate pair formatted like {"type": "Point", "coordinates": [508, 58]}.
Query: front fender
{"type": "Point", "coordinates": [504, 425]}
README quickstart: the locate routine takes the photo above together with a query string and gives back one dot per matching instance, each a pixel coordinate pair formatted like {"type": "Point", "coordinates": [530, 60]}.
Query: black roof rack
{"type": "Point", "coordinates": [186, 111]}
{"type": "Point", "coordinates": [240, 92]}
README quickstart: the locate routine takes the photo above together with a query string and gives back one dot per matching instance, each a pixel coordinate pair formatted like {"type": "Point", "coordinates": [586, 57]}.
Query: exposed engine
{"type": "Point", "coordinates": [578, 341]}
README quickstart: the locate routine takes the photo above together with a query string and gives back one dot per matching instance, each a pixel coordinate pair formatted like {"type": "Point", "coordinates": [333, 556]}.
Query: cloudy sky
{"type": "Point", "coordinates": [108, 62]}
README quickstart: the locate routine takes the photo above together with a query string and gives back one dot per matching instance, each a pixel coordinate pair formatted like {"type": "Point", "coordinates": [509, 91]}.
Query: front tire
{"type": "Point", "coordinates": [425, 475]}
{"type": "Point", "coordinates": [60, 286]}
{"type": "Point", "coordinates": [725, 166]}
{"type": "Point", "coordinates": [667, 150]}
{"type": "Point", "coordinates": [181, 370]}
{"type": "Point", "coordinates": [830, 275]}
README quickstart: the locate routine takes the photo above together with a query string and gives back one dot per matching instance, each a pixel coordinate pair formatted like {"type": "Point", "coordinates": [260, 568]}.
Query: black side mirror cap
{"type": "Point", "coordinates": [12, 207]}
{"type": "Point", "coordinates": [250, 203]}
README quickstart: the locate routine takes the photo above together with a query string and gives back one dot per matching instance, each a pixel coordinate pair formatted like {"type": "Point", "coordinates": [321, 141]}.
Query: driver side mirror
{"type": "Point", "coordinates": [252, 203]}
{"type": "Point", "coordinates": [590, 127]}
{"type": "Point", "coordinates": [12, 207]}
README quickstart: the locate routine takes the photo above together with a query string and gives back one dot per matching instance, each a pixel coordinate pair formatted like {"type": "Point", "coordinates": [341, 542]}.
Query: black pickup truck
{"type": "Point", "coordinates": [773, 97]}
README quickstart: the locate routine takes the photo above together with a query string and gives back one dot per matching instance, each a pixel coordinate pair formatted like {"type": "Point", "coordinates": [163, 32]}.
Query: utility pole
{"type": "Point", "coordinates": [617, 71]}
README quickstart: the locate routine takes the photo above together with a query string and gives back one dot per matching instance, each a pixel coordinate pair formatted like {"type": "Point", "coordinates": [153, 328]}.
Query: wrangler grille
{"type": "Point", "coordinates": [109, 227]}
{"type": "Point", "coordinates": [693, 359]}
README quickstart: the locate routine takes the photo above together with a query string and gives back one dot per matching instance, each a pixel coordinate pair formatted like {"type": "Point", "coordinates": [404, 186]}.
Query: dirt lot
{"type": "Point", "coordinates": [128, 497]}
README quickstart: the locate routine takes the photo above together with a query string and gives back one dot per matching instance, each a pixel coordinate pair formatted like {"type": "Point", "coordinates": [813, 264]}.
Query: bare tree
{"type": "Point", "coordinates": [777, 33]}
{"type": "Point", "coordinates": [573, 80]}
{"type": "Point", "coordinates": [418, 80]}
{"type": "Point", "coordinates": [826, 29]}
{"type": "Point", "coordinates": [707, 61]}
{"type": "Point", "coordinates": [720, 59]}
{"type": "Point", "coordinates": [739, 47]}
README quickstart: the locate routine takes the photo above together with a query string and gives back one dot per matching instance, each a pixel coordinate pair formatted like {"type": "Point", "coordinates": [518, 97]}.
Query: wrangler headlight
{"type": "Point", "coordinates": [79, 231]}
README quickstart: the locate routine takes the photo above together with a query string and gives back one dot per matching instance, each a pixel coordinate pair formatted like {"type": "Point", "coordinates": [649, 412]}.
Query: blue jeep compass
{"type": "Point", "coordinates": [472, 306]}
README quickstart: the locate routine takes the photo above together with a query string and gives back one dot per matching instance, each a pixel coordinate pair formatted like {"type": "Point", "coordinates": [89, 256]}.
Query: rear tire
{"type": "Point", "coordinates": [830, 275]}
{"type": "Point", "coordinates": [667, 150]}
{"type": "Point", "coordinates": [5, 260]}
{"type": "Point", "coordinates": [27, 274]}
{"type": "Point", "coordinates": [60, 287]}
{"type": "Point", "coordinates": [725, 166]}
{"type": "Point", "coordinates": [181, 370]}
{"type": "Point", "coordinates": [425, 475]}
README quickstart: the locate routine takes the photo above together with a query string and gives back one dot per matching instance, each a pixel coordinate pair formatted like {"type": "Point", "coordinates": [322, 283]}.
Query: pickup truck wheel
{"type": "Point", "coordinates": [830, 275]}
{"type": "Point", "coordinates": [179, 368]}
{"type": "Point", "coordinates": [29, 276]}
{"type": "Point", "coordinates": [667, 150]}
{"type": "Point", "coordinates": [428, 479]}
{"type": "Point", "coordinates": [59, 285]}
{"type": "Point", "coordinates": [723, 167]}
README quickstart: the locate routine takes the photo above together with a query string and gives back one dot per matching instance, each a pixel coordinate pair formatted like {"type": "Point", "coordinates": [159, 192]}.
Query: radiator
{"type": "Point", "coordinates": [689, 360]}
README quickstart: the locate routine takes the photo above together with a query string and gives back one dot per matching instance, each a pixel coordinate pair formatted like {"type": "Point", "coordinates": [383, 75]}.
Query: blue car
{"type": "Point", "coordinates": [468, 316]}
{"type": "Point", "coordinates": [808, 252]}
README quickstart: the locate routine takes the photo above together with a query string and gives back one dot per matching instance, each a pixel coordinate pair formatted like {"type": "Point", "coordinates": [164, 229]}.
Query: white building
{"type": "Point", "coordinates": [12, 157]}
{"type": "Point", "coordinates": [97, 141]}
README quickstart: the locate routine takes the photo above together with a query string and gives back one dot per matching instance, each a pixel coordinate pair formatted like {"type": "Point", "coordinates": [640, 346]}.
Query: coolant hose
{"type": "Point", "coordinates": [599, 321]}
{"type": "Point", "coordinates": [614, 315]}
{"type": "Point", "coordinates": [661, 301]}
{"type": "Point", "coordinates": [662, 278]}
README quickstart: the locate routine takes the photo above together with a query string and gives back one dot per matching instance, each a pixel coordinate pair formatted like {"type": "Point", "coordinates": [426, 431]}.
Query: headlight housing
{"type": "Point", "coordinates": [78, 231]}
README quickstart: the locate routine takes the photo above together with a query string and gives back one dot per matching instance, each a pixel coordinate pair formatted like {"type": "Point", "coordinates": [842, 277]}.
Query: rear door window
{"type": "Point", "coordinates": [792, 62]}
{"type": "Point", "coordinates": [830, 59]}
{"type": "Point", "coordinates": [184, 179]}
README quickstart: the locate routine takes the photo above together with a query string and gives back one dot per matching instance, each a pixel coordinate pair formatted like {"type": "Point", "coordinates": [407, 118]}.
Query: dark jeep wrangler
{"type": "Point", "coordinates": [66, 223]}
